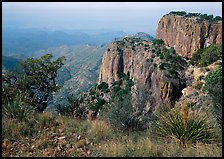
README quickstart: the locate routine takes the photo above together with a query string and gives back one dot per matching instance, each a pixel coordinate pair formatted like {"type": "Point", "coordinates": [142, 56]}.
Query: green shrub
{"type": "Point", "coordinates": [18, 108]}
{"type": "Point", "coordinates": [161, 56]}
{"type": "Point", "coordinates": [65, 110]}
{"type": "Point", "coordinates": [36, 78]}
{"type": "Point", "coordinates": [181, 13]}
{"type": "Point", "coordinates": [72, 108]}
{"type": "Point", "coordinates": [213, 84]}
{"type": "Point", "coordinates": [119, 110]}
{"type": "Point", "coordinates": [162, 66]}
{"type": "Point", "coordinates": [206, 56]}
{"type": "Point", "coordinates": [167, 55]}
{"type": "Point", "coordinates": [185, 128]}
{"type": "Point", "coordinates": [155, 65]}
{"type": "Point", "coordinates": [158, 42]}
{"type": "Point", "coordinates": [103, 86]}
{"type": "Point", "coordinates": [98, 106]}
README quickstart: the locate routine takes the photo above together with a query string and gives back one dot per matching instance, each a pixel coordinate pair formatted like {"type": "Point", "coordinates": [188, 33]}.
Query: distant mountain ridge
{"type": "Point", "coordinates": [27, 41]}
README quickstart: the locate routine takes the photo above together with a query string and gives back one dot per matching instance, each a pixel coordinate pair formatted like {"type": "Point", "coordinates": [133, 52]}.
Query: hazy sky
{"type": "Point", "coordinates": [130, 17]}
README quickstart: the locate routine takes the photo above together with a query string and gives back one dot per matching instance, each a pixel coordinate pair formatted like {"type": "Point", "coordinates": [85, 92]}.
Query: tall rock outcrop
{"type": "Point", "coordinates": [136, 57]}
{"type": "Point", "coordinates": [187, 34]}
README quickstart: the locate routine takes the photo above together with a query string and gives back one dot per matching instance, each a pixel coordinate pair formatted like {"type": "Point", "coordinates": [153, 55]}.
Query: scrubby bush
{"type": "Point", "coordinates": [213, 84]}
{"type": "Point", "coordinates": [162, 66]}
{"type": "Point", "coordinates": [64, 109]}
{"type": "Point", "coordinates": [185, 127]}
{"type": "Point", "coordinates": [18, 108]}
{"type": "Point", "coordinates": [155, 65]}
{"type": "Point", "coordinates": [158, 42]}
{"type": "Point", "coordinates": [206, 56]}
{"type": "Point", "coordinates": [36, 77]}
{"type": "Point", "coordinates": [218, 18]}
{"type": "Point", "coordinates": [181, 13]}
{"type": "Point", "coordinates": [97, 106]}
{"type": "Point", "coordinates": [119, 110]}
{"type": "Point", "coordinates": [103, 86]}
{"type": "Point", "coordinates": [72, 108]}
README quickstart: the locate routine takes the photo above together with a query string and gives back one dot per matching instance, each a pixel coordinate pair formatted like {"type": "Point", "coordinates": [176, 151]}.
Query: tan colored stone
{"type": "Point", "coordinates": [187, 35]}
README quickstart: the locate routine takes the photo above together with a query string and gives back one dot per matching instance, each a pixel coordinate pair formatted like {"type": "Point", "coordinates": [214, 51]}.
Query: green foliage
{"type": "Point", "coordinates": [67, 110]}
{"type": "Point", "coordinates": [162, 66]}
{"type": "Point", "coordinates": [218, 18]}
{"type": "Point", "coordinates": [213, 84]}
{"type": "Point", "coordinates": [18, 108]}
{"type": "Point", "coordinates": [36, 77]}
{"type": "Point", "coordinates": [197, 129]}
{"type": "Point", "coordinates": [161, 56]}
{"type": "Point", "coordinates": [155, 65]}
{"type": "Point", "coordinates": [120, 110]}
{"type": "Point", "coordinates": [99, 105]}
{"type": "Point", "coordinates": [200, 17]}
{"type": "Point", "coordinates": [158, 42]}
{"type": "Point", "coordinates": [170, 61]}
{"type": "Point", "coordinates": [167, 55]}
{"type": "Point", "coordinates": [181, 13]}
{"type": "Point", "coordinates": [194, 14]}
{"type": "Point", "coordinates": [206, 56]}
{"type": "Point", "coordinates": [103, 86]}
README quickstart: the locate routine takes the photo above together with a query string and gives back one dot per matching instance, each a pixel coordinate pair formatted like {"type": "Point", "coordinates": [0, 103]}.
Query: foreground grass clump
{"type": "Point", "coordinates": [18, 108]}
{"type": "Point", "coordinates": [186, 127]}
{"type": "Point", "coordinates": [100, 130]}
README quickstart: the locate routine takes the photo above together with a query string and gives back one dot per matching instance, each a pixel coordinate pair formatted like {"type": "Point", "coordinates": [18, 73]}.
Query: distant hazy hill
{"type": "Point", "coordinates": [27, 41]}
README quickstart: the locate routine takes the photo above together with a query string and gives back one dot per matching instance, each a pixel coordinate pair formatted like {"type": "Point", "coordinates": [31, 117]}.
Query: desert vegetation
{"type": "Point", "coordinates": [122, 128]}
{"type": "Point", "coordinates": [200, 17]}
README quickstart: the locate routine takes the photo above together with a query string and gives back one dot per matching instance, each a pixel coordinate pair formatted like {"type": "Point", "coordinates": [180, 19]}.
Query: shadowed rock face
{"type": "Point", "coordinates": [187, 35]}
{"type": "Point", "coordinates": [131, 56]}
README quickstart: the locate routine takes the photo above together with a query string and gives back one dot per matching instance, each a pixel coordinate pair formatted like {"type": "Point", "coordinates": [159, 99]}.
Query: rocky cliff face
{"type": "Point", "coordinates": [136, 57]}
{"type": "Point", "coordinates": [187, 35]}
{"type": "Point", "coordinates": [158, 68]}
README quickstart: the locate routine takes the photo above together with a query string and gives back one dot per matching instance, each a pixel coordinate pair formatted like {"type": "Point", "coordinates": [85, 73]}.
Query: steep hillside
{"type": "Point", "coordinates": [189, 32]}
